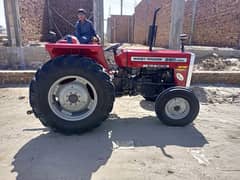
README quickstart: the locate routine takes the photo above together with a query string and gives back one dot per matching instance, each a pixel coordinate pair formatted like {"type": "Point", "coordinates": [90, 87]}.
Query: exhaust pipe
{"type": "Point", "coordinates": [153, 30]}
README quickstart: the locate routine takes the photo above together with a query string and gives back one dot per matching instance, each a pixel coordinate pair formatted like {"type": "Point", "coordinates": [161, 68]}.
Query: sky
{"type": "Point", "coordinates": [110, 7]}
{"type": "Point", "coordinates": [113, 7]}
{"type": "Point", "coordinates": [2, 16]}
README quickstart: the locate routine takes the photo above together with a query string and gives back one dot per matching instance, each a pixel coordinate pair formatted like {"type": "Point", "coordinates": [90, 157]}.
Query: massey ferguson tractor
{"type": "Point", "coordinates": [75, 90]}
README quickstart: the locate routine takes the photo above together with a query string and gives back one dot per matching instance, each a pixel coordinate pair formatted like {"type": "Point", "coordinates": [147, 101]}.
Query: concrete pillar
{"type": "Point", "coordinates": [176, 27]}
{"type": "Point", "coordinates": [98, 18]}
{"type": "Point", "coordinates": [121, 11]}
{"type": "Point", "coordinates": [114, 30]}
{"type": "Point", "coordinates": [13, 22]}
{"type": "Point", "coordinates": [14, 32]}
{"type": "Point", "coordinates": [194, 9]}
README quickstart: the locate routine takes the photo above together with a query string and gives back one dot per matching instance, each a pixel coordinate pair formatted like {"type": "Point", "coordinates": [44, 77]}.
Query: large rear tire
{"type": "Point", "coordinates": [177, 106]}
{"type": "Point", "coordinates": [71, 94]}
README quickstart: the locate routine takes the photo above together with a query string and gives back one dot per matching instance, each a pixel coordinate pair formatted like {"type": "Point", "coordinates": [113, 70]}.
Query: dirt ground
{"type": "Point", "coordinates": [131, 144]}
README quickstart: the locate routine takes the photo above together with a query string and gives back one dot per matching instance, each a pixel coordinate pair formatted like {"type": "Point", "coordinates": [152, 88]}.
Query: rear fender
{"type": "Point", "coordinates": [93, 51]}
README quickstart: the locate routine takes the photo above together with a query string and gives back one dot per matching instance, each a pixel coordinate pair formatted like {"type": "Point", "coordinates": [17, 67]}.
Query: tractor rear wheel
{"type": "Point", "coordinates": [71, 94]}
{"type": "Point", "coordinates": [177, 106]}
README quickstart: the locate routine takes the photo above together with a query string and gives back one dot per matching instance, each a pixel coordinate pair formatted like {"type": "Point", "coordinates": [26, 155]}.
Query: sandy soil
{"type": "Point", "coordinates": [131, 144]}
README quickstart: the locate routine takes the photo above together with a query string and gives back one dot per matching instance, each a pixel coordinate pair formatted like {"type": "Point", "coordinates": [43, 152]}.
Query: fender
{"type": "Point", "coordinates": [94, 51]}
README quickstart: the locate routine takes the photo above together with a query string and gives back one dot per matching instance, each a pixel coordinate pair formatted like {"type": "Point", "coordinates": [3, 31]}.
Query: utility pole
{"type": "Point", "coordinates": [176, 27]}
{"type": "Point", "coordinates": [121, 7]}
{"type": "Point", "coordinates": [98, 18]}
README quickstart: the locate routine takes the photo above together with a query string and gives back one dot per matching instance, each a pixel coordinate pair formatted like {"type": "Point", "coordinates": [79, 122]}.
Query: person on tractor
{"type": "Point", "coordinates": [85, 32]}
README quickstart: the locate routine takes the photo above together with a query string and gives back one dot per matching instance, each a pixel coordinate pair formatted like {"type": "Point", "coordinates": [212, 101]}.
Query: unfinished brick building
{"type": "Point", "coordinates": [208, 22]}
{"type": "Point", "coordinates": [213, 22]}
{"type": "Point", "coordinates": [120, 28]}
{"type": "Point", "coordinates": [143, 18]}
{"type": "Point", "coordinates": [37, 17]}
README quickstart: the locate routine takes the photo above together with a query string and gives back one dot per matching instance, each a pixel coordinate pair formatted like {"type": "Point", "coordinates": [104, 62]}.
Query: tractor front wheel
{"type": "Point", "coordinates": [177, 106]}
{"type": "Point", "coordinates": [71, 94]}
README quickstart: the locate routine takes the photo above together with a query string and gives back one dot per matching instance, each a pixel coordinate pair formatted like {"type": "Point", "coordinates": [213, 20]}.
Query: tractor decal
{"type": "Point", "coordinates": [158, 59]}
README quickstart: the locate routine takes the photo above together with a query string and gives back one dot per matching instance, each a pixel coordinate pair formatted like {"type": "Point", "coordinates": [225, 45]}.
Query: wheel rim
{"type": "Point", "coordinates": [72, 98]}
{"type": "Point", "coordinates": [177, 108]}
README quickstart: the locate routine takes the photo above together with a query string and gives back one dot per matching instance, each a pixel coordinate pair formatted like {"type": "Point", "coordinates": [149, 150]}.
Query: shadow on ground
{"type": "Point", "coordinates": [55, 156]}
{"type": "Point", "coordinates": [201, 94]}
{"type": "Point", "coordinates": [147, 105]}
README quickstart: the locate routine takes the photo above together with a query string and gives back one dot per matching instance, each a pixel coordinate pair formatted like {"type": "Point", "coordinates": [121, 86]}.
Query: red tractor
{"type": "Point", "coordinates": [75, 90]}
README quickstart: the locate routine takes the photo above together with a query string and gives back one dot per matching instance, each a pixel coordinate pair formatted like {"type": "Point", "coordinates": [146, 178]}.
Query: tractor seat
{"type": "Point", "coordinates": [71, 39]}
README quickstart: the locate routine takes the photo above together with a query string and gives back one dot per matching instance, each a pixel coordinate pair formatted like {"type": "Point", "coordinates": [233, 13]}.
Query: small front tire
{"type": "Point", "coordinates": [177, 106]}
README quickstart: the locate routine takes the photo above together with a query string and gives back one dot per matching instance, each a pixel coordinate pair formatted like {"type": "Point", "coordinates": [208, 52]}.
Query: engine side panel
{"type": "Point", "coordinates": [181, 62]}
{"type": "Point", "coordinates": [145, 81]}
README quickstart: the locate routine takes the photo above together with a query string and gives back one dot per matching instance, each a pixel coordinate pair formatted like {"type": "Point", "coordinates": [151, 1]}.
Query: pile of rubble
{"type": "Point", "coordinates": [218, 95]}
{"type": "Point", "coordinates": [216, 63]}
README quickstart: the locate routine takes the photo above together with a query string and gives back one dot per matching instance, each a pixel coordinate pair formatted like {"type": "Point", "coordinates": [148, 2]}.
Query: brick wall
{"type": "Point", "coordinates": [217, 22]}
{"type": "Point", "coordinates": [16, 77]}
{"type": "Point", "coordinates": [144, 16]}
{"type": "Point", "coordinates": [34, 17]}
{"type": "Point", "coordinates": [28, 57]}
{"type": "Point", "coordinates": [120, 29]}
{"type": "Point", "coordinates": [233, 78]}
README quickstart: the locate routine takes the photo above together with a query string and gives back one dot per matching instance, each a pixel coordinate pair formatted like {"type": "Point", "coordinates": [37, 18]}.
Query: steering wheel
{"type": "Point", "coordinates": [113, 47]}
